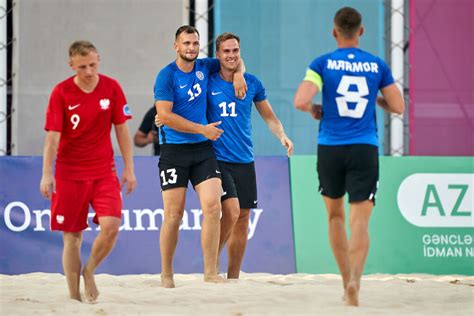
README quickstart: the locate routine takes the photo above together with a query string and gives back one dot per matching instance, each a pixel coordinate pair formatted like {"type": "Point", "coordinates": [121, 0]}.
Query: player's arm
{"type": "Point", "coordinates": [141, 139]}
{"type": "Point", "coordinates": [266, 112]}
{"type": "Point", "coordinates": [179, 123]}
{"type": "Point", "coordinates": [307, 90]}
{"type": "Point", "coordinates": [392, 100]}
{"type": "Point", "coordinates": [51, 143]}
{"type": "Point", "coordinates": [238, 81]}
{"type": "Point", "coordinates": [125, 144]}
{"type": "Point", "coordinates": [145, 134]}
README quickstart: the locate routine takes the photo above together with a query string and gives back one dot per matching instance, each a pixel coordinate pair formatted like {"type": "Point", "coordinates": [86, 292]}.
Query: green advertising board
{"type": "Point", "coordinates": [423, 221]}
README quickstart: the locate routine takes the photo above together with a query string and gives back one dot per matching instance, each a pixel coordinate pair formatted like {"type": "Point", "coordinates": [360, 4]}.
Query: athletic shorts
{"type": "Point", "coordinates": [180, 163]}
{"type": "Point", "coordinates": [70, 203]}
{"type": "Point", "coordinates": [239, 181]}
{"type": "Point", "coordinates": [348, 168]}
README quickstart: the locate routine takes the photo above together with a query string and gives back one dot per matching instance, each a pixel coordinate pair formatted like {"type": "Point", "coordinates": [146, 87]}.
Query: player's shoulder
{"type": "Point", "coordinates": [250, 77]}
{"type": "Point", "coordinates": [168, 70]}
{"type": "Point", "coordinates": [65, 83]}
{"type": "Point", "coordinates": [65, 87]}
{"type": "Point", "coordinates": [109, 81]}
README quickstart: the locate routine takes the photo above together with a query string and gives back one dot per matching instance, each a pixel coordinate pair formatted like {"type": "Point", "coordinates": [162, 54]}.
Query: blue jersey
{"type": "Point", "coordinates": [187, 91]}
{"type": "Point", "coordinates": [235, 144]}
{"type": "Point", "coordinates": [351, 79]}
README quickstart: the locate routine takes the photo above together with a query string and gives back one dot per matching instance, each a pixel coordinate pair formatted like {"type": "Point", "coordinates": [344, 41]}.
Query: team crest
{"type": "Point", "coordinates": [200, 75]}
{"type": "Point", "coordinates": [104, 104]}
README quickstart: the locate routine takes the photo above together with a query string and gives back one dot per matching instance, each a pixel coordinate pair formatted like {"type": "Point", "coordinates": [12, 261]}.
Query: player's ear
{"type": "Point", "coordinates": [175, 46]}
{"type": "Point", "coordinates": [334, 32]}
{"type": "Point", "coordinates": [361, 31]}
{"type": "Point", "coordinates": [98, 57]}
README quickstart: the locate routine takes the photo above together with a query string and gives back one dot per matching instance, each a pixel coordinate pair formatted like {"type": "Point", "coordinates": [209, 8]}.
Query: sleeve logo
{"type": "Point", "coordinates": [126, 110]}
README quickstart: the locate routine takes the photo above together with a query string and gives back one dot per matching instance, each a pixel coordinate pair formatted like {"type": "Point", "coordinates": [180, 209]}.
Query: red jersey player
{"type": "Point", "coordinates": [79, 118]}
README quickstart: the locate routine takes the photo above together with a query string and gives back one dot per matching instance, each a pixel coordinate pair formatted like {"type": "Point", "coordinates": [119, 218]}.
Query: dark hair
{"type": "Point", "coordinates": [348, 21]}
{"type": "Point", "coordinates": [82, 48]}
{"type": "Point", "coordinates": [188, 29]}
{"type": "Point", "coordinates": [224, 37]}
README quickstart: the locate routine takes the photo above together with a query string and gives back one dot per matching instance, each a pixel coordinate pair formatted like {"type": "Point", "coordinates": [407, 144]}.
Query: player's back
{"type": "Point", "coordinates": [351, 79]}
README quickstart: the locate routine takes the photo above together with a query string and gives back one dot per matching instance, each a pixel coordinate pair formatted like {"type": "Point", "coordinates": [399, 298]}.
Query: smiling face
{"type": "Point", "coordinates": [187, 46]}
{"type": "Point", "coordinates": [229, 54]}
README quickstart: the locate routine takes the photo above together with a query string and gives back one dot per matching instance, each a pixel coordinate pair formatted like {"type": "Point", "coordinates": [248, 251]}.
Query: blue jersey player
{"type": "Point", "coordinates": [234, 150]}
{"type": "Point", "coordinates": [349, 79]}
{"type": "Point", "coordinates": [186, 152]}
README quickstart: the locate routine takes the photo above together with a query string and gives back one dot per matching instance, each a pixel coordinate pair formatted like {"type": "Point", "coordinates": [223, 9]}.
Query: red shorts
{"type": "Point", "coordinates": [70, 203]}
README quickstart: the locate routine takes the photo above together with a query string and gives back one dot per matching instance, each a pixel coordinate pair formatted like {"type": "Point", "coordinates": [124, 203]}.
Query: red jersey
{"type": "Point", "coordinates": [85, 121]}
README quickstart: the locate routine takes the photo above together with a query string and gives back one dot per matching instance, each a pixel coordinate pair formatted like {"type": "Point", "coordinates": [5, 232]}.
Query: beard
{"type": "Point", "coordinates": [184, 57]}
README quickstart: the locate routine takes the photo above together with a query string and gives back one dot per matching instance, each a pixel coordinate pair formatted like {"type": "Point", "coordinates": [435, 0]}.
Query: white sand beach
{"type": "Point", "coordinates": [253, 294]}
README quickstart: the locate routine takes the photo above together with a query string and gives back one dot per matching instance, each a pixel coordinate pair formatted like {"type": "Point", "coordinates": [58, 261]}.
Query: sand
{"type": "Point", "coordinates": [253, 294]}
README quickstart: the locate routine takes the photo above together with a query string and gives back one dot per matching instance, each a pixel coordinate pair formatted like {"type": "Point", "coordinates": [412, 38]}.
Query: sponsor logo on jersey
{"type": "Point", "coordinates": [72, 107]}
{"type": "Point", "coordinates": [200, 75]}
{"type": "Point", "coordinates": [104, 104]}
{"type": "Point", "coordinates": [215, 93]}
{"type": "Point", "coordinates": [182, 86]}
{"type": "Point", "coordinates": [126, 110]}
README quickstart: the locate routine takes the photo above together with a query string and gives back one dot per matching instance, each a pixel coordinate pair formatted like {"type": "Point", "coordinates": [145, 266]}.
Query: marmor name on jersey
{"type": "Point", "coordinates": [352, 66]}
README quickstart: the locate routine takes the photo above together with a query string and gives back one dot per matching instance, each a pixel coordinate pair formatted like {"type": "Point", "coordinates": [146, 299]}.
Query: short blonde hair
{"type": "Point", "coordinates": [82, 48]}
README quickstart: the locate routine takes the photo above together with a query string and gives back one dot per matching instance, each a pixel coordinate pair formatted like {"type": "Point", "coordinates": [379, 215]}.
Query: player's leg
{"type": "Point", "coordinates": [338, 236]}
{"type": "Point", "coordinates": [69, 209]}
{"type": "Point", "coordinates": [173, 204]}
{"type": "Point", "coordinates": [72, 262]}
{"type": "Point", "coordinates": [237, 244]}
{"type": "Point", "coordinates": [246, 185]}
{"type": "Point", "coordinates": [361, 180]}
{"type": "Point", "coordinates": [102, 246]}
{"type": "Point", "coordinates": [358, 247]}
{"type": "Point", "coordinates": [174, 168]}
{"type": "Point", "coordinates": [206, 179]}
{"type": "Point", "coordinates": [107, 204]}
{"type": "Point", "coordinates": [230, 215]}
{"type": "Point", "coordinates": [209, 193]}
{"type": "Point", "coordinates": [230, 206]}
{"type": "Point", "coordinates": [331, 175]}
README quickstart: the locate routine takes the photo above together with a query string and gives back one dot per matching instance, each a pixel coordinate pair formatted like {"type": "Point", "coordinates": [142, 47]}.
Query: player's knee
{"type": "Point", "coordinates": [234, 215]}
{"type": "Point", "coordinates": [72, 240]}
{"type": "Point", "coordinates": [335, 217]}
{"type": "Point", "coordinates": [174, 217]}
{"type": "Point", "coordinates": [110, 232]}
{"type": "Point", "coordinates": [212, 209]}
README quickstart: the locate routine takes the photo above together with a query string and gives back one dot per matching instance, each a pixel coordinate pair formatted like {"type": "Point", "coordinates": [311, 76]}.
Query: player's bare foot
{"type": "Point", "coordinates": [167, 282]}
{"type": "Point", "coordinates": [214, 278]}
{"type": "Point", "coordinates": [76, 297]}
{"type": "Point", "coordinates": [352, 294]}
{"type": "Point", "coordinates": [91, 292]}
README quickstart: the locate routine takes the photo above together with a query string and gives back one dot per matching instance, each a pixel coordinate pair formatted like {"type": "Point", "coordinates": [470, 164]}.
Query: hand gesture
{"type": "Point", "coordinates": [211, 131]}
